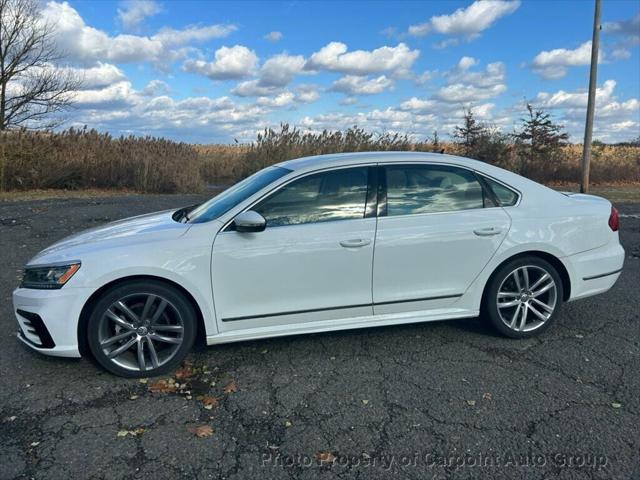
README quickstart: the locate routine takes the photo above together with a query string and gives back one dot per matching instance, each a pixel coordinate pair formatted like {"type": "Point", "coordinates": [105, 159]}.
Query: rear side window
{"type": "Point", "coordinates": [505, 195]}
{"type": "Point", "coordinates": [321, 197]}
{"type": "Point", "coordinates": [415, 189]}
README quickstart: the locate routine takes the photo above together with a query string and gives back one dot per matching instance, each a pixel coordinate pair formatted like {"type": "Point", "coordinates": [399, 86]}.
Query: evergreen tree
{"type": "Point", "coordinates": [470, 133]}
{"type": "Point", "coordinates": [540, 139]}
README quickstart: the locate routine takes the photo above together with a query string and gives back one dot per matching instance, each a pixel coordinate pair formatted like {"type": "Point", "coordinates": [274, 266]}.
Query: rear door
{"type": "Point", "coordinates": [436, 231]}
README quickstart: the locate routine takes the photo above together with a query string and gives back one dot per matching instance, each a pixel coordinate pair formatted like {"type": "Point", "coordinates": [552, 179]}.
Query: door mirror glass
{"type": "Point", "coordinates": [249, 221]}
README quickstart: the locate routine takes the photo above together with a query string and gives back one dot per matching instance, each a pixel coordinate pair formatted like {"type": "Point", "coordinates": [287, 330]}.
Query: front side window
{"type": "Point", "coordinates": [415, 189]}
{"type": "Point", "coordinates": [320, 197]}
{"type": "Point", "coordinates": [225, 201]}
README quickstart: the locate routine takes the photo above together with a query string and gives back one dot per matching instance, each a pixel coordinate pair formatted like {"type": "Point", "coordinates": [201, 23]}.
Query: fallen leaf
{"type": "Point", "coordinates": [230, 387]}
{"type": "Point", "coordinates": [366, 402]}
{"type": "Point", "coordinates": [133, 397]}
{"type": "Point", "coordinates": [471, 403]}
{"type": "Point", "coordinates": [325, 457]}
{"type": "Point", "coordinates": [209, 402]}
{"type": "Point", "coordinates": [264, 351]}
{"type": "Point", "coordinates": [143, 380]}
{"type": "Point", "coordinates": [185, 371]}
{"type": "Point", "coordinates": [201, 431]}
{"type": "Point", "coordinates": [122, 433]}
{"type": "Point", "coordinates": [616, 405]}
{"type": "Point", "coordinates": [486, 396]}
{"type": "Point", "coordinates": [35, 444]}
{"type": "Point", "coordinates": [162, 386]}
{"type": "Point", "coordinates": [288, 424]}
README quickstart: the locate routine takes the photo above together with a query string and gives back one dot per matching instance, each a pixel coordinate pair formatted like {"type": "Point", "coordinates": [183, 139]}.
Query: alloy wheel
{"type": "Point", "coordinates": [141, 332]}
{"type": "Point", "coordinates": [527, 298]}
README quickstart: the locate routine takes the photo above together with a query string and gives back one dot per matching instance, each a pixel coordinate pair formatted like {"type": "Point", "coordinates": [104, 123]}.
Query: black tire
{"type": "Point", "coordinates": [176, 320]}
{"type": "Point", "coordinates": [504, 277]}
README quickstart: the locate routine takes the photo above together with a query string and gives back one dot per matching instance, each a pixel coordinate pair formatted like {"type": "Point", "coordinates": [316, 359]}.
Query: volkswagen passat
{"type": "Point", "coordinates": [318, 244]}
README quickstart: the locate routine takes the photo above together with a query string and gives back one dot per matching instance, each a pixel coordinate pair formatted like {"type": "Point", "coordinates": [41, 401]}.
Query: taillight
{"type": "Point", "coordinates": [613, 219]}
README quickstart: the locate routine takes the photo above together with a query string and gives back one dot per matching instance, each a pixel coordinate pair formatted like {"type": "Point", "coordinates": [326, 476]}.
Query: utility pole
{"type": "Point", "coordinates": [591, 103]}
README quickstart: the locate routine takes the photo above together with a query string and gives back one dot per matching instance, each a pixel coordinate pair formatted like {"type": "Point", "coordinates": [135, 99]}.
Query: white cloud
{"type": "Point", "coordinates": [307, 93]}
{"type": "Point", "coordinates": [117, 95]}
{"type": "Point", "coordinates": [273, 36]}
{"type": "Point", "coordinates": [279, 70]}
{"type": "Point", "coordinates": [98, 76]}
{"type": "Point", "coordinates": [354, 85]}
{"type": "Point", "coordinates": [155, 88]}
{"type": "Point", "coordinates": [335, 57]}
{"type": "Point", "coordinates": [252, 88]}
{"type": "Point", "coordinates": [562, 99]}
{"type": "Point", "coordinates": [135, 11]}
{"type": "Point", "coordinates": [273, 76]}
{"type": "Point", "coordinates": [465, 86]}
{"type": "Point", "coordinates": [228, 63]}
{"type": "Point", "coordinates": [460, 93]}
{"type": "Point", "coordinates": [466, 22]}
{"type": "Point", "coordinates": [85, 44]}
{"type": "Point", "coordinates": [620, 54]}
{"type": "Point", "coordinates": [554, 64]}
{"type": "Point", "coordinates": [627, 30]}
{"type": "Point", "coordinates": [609, 111]}
{"type": "Point", "coordinates": [348, 101]}
{"type": "Point", "coordinates": [281, 100]}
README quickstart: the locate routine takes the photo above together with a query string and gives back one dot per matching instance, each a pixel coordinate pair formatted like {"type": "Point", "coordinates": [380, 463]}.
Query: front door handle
{"type": "Point", "coordinates": [355, 243]}
{"type": "Point", "coordinates": [487, 232]}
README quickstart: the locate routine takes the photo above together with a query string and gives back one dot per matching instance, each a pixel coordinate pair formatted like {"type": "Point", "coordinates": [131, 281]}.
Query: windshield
{"type": "Point", "coordinates": [225, 201]}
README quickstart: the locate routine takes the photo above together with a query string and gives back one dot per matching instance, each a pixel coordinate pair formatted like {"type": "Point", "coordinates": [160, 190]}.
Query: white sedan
{"type": "Point", "coordinates": [319, 244]}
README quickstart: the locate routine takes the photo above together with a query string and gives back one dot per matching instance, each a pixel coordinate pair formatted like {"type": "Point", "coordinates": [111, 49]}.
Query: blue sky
{"type": "Point", "coordinates": [210, 72]}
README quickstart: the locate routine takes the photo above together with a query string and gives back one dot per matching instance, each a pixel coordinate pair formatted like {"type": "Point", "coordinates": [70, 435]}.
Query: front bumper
{"type": "Point", "coordinates": [48, 319]}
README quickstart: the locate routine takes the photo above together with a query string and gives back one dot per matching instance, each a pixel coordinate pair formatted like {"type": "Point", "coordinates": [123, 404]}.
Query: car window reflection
{"type": "Point", "coordinates": [322, 197]}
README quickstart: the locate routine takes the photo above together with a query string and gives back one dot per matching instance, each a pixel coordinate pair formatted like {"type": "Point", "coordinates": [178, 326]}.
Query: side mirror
{"type": "Point", "coordinates": [249, 221]}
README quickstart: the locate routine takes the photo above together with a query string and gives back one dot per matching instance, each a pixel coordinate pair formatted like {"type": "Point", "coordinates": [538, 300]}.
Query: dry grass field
{"type": "Point", "coordinates": [76, 160]}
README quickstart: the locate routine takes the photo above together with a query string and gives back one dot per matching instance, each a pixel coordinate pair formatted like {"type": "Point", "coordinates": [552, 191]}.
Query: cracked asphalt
{"type": "Point", "coordinates": [429, 401]}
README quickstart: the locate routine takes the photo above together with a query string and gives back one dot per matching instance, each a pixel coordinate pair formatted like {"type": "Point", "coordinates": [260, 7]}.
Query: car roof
{"type": "Point", "coordinates": [339, 159]}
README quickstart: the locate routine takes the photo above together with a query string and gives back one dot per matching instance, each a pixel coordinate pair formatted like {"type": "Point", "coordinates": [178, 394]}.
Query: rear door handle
{"type": "Point", "coordinates": [355, 243]}
{"type": "Point", "coordinates": [487, 232]}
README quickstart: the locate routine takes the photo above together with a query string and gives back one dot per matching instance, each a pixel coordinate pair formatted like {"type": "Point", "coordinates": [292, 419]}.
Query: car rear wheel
{"type": "Point", "coordinates": [523, 297]}
{"type": "Point", "coordinates": [141, 329]}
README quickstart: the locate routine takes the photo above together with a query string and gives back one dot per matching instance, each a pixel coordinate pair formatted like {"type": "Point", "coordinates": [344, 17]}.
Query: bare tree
{"type": "Point", "coordinates": [32, 87]}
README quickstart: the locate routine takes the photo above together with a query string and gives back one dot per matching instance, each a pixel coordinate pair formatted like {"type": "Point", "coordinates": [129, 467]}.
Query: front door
{"type": "Point", "coordinates": [439, 230]}
{"type": "Point", "coordinates": [312, 262]}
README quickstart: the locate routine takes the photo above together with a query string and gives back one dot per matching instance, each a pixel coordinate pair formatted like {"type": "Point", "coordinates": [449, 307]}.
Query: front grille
{"type": "Point", "coordinates": [34, 330]}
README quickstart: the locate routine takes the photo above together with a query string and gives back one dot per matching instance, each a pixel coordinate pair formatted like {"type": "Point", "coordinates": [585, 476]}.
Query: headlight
{"type": "Point", "coordinates": [49, 277]}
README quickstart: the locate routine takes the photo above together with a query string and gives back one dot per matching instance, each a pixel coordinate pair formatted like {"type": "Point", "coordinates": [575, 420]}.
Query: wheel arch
{"type": "Point", "coordinates": [83, 345]}
{"type": "Point", "coordinates": [552, 259]}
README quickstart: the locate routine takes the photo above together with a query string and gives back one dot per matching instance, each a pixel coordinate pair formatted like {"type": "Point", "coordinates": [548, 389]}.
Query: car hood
{"type": "Point", "coordinates": [135, 229]}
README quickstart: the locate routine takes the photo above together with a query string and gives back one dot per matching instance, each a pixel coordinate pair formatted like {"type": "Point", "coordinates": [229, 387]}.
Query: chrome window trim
{"type": "Point", "coordinates": [373, 164]}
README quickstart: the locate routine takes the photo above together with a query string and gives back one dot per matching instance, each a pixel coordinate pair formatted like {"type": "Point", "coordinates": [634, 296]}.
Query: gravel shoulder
{"type": "Point", "coordinates": [434, 400]}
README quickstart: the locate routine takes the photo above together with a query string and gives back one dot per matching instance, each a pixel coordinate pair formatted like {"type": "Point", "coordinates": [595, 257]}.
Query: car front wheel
{"type": "Point", "coordinates": [141, 328]}
{"type": "Point", "coordinates": [523, 297]}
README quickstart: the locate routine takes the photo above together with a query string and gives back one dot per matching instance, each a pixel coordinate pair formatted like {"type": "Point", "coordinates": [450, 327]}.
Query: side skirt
{"type": "Point", "coordinates": [342, 324]}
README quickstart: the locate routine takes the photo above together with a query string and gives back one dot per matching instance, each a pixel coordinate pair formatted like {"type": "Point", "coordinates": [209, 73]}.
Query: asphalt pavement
{"type": "Point", "coordinates": [428, 401]}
